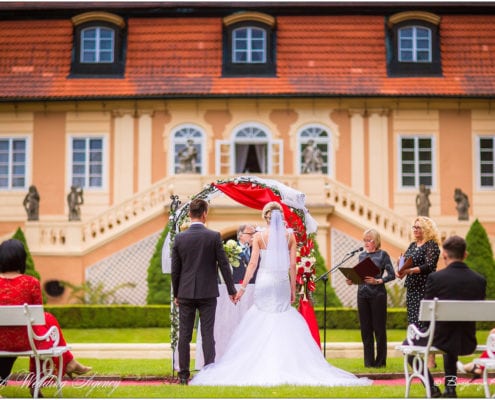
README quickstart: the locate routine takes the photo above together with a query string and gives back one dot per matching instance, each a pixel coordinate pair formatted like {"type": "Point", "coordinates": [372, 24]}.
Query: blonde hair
{"type": "Point", "coordinates": [430, 230]}
{"type": "Point", "coordinates": [268, 208]}
{"type": "Point", "coordinates": [373, 233]}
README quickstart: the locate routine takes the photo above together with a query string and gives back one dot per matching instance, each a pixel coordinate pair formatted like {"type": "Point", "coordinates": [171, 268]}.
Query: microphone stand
{"type": "Point", "coordinates": [324, 278]}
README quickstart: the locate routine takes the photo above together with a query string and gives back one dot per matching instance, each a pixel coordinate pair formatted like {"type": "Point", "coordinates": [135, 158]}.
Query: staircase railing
{"type": "Point", "coordinates": [74, 237]}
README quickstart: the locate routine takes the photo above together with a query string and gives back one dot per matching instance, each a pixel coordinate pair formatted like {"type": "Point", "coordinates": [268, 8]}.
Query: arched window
{"type": "Point", "coordinates": [250, 150]}
{"type": "Point", "coordinates": [314, 150]}
{"type": "Point", "coordinates": [188, 145]}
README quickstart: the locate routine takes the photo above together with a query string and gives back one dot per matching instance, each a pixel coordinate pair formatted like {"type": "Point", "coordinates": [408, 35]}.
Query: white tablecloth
{"type": "Point", "coordinates": [227, 318]}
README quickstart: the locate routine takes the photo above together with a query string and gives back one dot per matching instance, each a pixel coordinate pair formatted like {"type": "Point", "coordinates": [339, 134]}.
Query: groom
{"type": "Point", "coordinates": [195, 255]}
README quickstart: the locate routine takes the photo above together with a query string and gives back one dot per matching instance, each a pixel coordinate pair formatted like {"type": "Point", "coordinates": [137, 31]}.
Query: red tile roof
{"type": "Point", "coordinates": [316, 56]}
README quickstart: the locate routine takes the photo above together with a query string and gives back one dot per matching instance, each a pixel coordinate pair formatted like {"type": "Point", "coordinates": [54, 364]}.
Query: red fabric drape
{"type": "Point", "coordinates": [254, 196]}
{"type": "Point", "coordinates": [307, 311]}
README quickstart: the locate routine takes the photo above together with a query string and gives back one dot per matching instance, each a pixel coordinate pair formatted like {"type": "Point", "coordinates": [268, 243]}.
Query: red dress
{"type": "Point", "coordinates": [17, 291]}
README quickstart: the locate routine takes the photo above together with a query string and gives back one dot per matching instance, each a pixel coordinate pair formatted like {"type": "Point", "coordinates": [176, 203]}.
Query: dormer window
{"type": "Point", "coordinates": [249, 45]}
{"type": "Point", "coordinates": [414, 45]}
{"type": "Point", "coordinates": [98, 45]}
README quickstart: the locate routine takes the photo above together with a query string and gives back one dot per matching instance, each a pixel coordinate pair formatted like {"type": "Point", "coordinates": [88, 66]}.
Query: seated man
{"type": "Point", "coordinates": [455, 282]}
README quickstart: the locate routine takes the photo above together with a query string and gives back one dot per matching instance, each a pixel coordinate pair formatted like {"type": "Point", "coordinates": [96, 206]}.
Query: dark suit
{"type": "Point", "coordinates": [195, 255]}
{"type": "Point", "coordinates": [239, 272]}
{"type": "Point", "coordinates": [456, 282]}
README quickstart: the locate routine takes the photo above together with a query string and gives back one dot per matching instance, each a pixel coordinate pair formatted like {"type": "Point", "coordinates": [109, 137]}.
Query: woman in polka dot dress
{"type": "Point", "coordinates": [424, 250]}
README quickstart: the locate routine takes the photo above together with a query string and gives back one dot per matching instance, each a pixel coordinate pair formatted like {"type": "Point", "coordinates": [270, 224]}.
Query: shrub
{"type": "Point", "coordinates": [480, 256]}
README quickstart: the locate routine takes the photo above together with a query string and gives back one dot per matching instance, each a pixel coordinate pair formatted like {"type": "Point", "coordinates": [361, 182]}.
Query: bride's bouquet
{"type": "Point", "coordinates": [233, 251]}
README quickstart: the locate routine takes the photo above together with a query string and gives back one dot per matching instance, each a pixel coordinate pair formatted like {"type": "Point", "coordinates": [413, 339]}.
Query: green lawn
{"type": "Point", "coordinates": [162, 335]}
{"type": "Point", "coordinates": [115, 369]}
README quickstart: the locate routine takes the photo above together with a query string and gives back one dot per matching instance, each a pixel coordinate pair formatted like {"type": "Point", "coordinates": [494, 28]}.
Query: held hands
{"type": "Point", "coordinates": [233, 298]}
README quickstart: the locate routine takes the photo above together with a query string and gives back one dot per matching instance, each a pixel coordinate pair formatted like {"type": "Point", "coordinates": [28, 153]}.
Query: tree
{"type": "Point", "coordinates": [480, 256]}
{"type": "Point", "coordinates": [158, 283]}
{"type": "Point", "coordinates": [30, 270]}
{"type": "Point", "coordinates": [319, 293]}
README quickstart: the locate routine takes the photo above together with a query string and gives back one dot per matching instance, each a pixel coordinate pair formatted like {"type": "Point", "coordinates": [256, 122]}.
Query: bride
{"type": "Point", "coordinates": [272, 345]}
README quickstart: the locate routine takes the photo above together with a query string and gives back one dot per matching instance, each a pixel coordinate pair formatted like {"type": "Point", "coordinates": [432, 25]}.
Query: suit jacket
{"type": "Point", "coordinates": [196, 253]}
{"type": "Point", "coordinates": [456, 282]}
{"type": "Point", "coordinates": [238, 272]}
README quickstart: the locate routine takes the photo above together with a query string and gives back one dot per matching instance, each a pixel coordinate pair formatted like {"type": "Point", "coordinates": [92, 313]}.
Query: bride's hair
{"type": "Point", "coordinates": [268, 208]}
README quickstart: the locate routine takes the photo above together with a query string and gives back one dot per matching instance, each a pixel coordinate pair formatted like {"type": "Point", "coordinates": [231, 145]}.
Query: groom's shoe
{"type": "Point", "coordinates": [435, 392]}
{"type": "Point", "coordinates": [449, 392]}
{"type": "Point", "coordinates": [184, 381]}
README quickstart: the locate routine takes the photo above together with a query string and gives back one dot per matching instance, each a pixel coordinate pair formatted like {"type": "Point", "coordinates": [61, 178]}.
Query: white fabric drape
{"type": "Point", "coordinates": [241, 151]}
{"type": "Point", "coordinates": [261, 155]}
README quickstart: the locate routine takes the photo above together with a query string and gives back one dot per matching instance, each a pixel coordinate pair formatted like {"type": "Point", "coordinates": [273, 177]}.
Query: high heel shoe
{"type": "Point", "coordinates": [471, 371]}
{"type": "Point", "coordinates": [75, 368]}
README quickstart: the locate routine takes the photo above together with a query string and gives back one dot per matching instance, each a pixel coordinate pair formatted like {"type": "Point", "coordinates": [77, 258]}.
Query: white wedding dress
{"type": "Point", "coordinates": [272, 345]}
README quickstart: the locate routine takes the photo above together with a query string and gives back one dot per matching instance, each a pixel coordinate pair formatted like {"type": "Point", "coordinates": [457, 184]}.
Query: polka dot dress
{"type": "Point", "coordinates": [425, 257]}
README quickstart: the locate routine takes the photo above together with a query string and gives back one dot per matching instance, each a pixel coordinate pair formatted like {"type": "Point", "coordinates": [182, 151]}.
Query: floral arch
{"type": "Point", "coordinates": [255, 192]}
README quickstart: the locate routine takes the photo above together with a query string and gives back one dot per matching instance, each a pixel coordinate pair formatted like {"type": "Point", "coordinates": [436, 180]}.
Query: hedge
{"type": "Point", "coordinates": [152, 316]}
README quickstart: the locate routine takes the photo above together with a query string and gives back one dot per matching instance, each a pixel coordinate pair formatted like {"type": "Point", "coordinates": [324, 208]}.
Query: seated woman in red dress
{"type": "Point", "coordinates": [16, 288]}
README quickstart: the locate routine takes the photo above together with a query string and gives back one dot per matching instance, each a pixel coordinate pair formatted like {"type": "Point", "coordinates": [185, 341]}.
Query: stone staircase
{"type": "Point", "coordinates": [77, 238]}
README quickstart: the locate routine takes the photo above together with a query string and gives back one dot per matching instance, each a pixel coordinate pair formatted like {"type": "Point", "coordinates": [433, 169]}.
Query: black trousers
{"type": "Point", "coordinates": [187, 316]}
{"type": "Point", "coordinates": [6, 365]}
{"type": "Point", "coordinates": [449, 365]}
{"type": "Point", "coordinates": [373, 321]}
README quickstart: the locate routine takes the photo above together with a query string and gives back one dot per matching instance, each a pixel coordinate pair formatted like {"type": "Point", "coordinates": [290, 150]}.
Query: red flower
{"type": "Point", "coordinates": [311, 286]}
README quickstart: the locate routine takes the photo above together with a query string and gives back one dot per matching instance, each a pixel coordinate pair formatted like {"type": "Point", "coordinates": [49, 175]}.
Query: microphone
{"type": "Point", "coordinates": [351, 253]}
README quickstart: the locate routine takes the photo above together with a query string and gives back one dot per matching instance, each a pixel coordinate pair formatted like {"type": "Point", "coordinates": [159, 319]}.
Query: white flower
{"type": "Point", "coordinates": [233, 250]}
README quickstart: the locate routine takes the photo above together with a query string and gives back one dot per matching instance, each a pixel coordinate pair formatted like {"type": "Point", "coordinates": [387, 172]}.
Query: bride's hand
{"type": "Point", "coordinates": [238, 295]}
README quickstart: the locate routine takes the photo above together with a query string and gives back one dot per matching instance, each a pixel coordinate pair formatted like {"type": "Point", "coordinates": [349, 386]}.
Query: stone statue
{"type": "Point", "coordinates": [188, 157]}
{"type": "Point", "coordinates": [423, 201]}
{"type": "Point", "coordinates": [462, 205]}
{"type": "Point", "coordinates": [31, 204]}
{"type": "Point", "coordinates": [312, 158]}
{"type": "Point", "coordinates": [74, 200]}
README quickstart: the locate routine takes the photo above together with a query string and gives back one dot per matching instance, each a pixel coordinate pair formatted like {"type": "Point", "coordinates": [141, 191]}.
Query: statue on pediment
{"type": "Point", "coordinates": [462, 205]}
{"type": "Point", "coordinates": [31, 204]}
{"type": "Point", "coordinates": [74, 201]}
{"type": "Point", "coordinates": [423, 201]}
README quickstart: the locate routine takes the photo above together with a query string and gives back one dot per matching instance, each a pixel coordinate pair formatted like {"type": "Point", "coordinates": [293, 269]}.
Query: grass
{"type": "Point", "coordinates": [115, 387]}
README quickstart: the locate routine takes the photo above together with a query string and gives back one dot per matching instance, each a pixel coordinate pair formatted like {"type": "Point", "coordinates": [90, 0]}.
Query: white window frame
{"type": "Point", "coordinates": [27, 162]}
{"type": "Point", "coordinates": [249, 45]}
{"type": "Point", "coordinates": [187, 131]}
{"type": "Point", "coordinates": [414, 39]}
{"type": "Point", "coordinates": [301, 140]}
{"type": "Point", "coordinates": [104, 161]}
{"type": "Point", "coordinates": [97, 51]}
{"type": "Point", "coordinates": [417, 173]}
{"type": "Point", "coordinates": [479, 162]}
